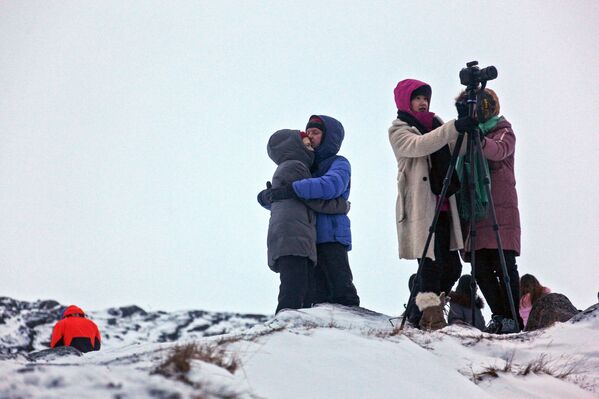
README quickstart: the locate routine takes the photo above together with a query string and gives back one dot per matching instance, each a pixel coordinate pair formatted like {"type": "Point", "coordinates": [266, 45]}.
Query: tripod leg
{"type": "Point", "coordinates": [470, 176]}
{"type": "Point", "coordinates": [431, 230]}
{"type": "Point", "coordinates": [506, 277]}
{"type": "Point", "coordinates": [415, 314]}
{"type": "Point", "coordinates": [488, 281]}
{"type": "Point", "coordinates": [411, 304]}
{"type": "Point", "coordinates": [514, 279]}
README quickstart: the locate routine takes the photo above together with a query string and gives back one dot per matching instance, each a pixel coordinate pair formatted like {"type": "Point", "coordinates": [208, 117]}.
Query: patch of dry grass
{"type": "Point", "coordinates": [178, 361]}
{"type": "Point", "coordinates": [384, 333]}
{"type": "Point", "coordinates": [493, 371]}
{"type": "Point", "coordinates": [544, 365]}
{"type": "Point", "coordinates": [541, 365]}
{"type": "Point", "coordinates": [177, 365]}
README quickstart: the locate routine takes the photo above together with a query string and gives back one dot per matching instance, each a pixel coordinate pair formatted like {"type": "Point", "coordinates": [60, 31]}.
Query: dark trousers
{"type": "Point", "coordinates": [83, 344]}
{"type": "Point", "coordinates": [441, 274]}
{"type": "Point", "coordinates": [489, 276]}
{"type": "Point", "coordinates": [332, 279]}
{"type": "Point", "coordinates": [294, 272]}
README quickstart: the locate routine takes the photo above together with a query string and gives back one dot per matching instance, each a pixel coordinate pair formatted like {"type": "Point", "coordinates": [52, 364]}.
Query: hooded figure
{"type": "Point", "coordinates": [332, 174]}
{"type": "Point", "coordinates": [291, 239]}
{"type": "Point", "coordinates": [291, 230]}
{"type": "Point", "coordinates": [422, 144]}
{"type": "Point", "coordinates": [76, 330]}
{"type": "Point", "coordinates": [292, 227]}
{"type": "Point", "coordinates": [415, 206]}
{"type": "Point", "coordinates": [330, 180]}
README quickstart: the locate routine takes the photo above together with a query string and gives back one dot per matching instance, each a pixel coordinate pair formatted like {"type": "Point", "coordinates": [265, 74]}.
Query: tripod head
{"type": "Point", "coordinates": [475, 79]}
{"type": "Point", "coordinates": [472, 75]}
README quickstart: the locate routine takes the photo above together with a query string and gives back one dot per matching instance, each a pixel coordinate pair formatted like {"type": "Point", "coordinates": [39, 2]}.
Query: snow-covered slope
{"type": "Point", "coordinates": [324, 352]}
{"type": "Point", "coordinates": [27, 326]}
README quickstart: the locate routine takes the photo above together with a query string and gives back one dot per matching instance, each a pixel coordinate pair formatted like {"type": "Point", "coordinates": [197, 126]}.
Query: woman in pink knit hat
{"type": "Point", "coordinates": [422, 144]}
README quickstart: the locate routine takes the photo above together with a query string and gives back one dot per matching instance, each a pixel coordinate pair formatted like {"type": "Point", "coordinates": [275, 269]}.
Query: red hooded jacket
{"type": "Point", "coordinates": [76, 330]}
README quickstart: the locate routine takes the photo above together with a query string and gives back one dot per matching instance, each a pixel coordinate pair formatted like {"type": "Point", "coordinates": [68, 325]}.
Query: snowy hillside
{"type": "Point", "coordinates": [324, 352]}
{"type": "Point", "coordinates": [27, 326]}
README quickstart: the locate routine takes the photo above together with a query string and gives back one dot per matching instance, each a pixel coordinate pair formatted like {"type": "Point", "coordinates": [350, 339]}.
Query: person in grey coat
{"type": "Point", "coordinates": [291, 239]}
{"type": "Point", "coordinates": [460, 309]}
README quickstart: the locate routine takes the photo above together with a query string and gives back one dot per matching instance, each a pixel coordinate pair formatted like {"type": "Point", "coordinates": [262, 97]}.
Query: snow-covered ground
{"type": "Point", "coordinates": [325, 352]}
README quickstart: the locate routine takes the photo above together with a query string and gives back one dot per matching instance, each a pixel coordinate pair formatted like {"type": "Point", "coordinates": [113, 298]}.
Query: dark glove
{"type": "Point", "coordinates": [282, 193]}
{"type": "Point", "coordinates": [465, 124]}
{"type": "Point", "coordinates": [264, 196]}
{"type": "Point", "coordinates": [462, 108]}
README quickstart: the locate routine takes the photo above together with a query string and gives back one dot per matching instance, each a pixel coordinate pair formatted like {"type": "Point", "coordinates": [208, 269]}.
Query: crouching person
{"type": "Point", "coordinates": [76, 330]}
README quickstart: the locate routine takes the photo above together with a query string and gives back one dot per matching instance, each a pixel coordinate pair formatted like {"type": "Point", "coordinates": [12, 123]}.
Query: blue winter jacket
{"type": "Point", "coordinates": [330, 179]}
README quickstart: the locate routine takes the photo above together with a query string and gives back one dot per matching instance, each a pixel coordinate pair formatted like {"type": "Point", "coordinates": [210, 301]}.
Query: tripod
{"type": "Point", "coordinates": [474, 156]}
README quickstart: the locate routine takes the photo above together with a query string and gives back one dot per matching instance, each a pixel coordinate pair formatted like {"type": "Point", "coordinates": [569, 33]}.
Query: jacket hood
{"type": "Point", "coordinates": [285, 145]}
{"type": "Point", "coordinates": [403, 94]}
{"type": "Point", "coordinates": [71, 310]}
{"type": "Point", "coordinates": [333, 137]}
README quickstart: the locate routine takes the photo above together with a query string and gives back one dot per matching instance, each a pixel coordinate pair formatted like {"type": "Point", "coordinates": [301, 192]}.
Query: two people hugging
{"type": "Point", "coordinates": [309, 232]}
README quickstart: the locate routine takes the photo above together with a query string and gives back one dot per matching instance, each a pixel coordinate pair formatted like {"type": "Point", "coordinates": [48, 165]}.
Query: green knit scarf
{"type": "Point", "coordinates": [481, 168]}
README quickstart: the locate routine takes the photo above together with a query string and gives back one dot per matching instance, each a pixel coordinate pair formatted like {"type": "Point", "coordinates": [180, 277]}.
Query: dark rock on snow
{"type": "Point", "coordinates": [549, 309]}
{"type": "Point", "coordinates": [51, 354]}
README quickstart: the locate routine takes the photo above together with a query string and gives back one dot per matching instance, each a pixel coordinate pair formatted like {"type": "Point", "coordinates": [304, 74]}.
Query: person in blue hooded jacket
{"type": "Point", "coordinates": [332, 279]}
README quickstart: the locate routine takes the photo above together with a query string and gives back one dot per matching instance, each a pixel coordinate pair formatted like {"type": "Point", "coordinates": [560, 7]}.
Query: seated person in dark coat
{"type": "Point", "coordinates": [460, 309]}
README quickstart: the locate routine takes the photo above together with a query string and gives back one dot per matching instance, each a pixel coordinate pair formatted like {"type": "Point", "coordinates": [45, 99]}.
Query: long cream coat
{"type": "Point", "coordinates": [415, 206]}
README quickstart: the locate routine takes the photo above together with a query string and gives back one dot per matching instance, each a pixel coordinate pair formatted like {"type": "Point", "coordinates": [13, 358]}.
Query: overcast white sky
{"type": "Point", "coordinates": [133, 138]}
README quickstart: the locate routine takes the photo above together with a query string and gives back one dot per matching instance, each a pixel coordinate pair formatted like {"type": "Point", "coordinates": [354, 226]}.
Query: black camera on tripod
{"type": "Point", "coordinates": [472, 75]}
{"type": "Point", "coordinates": [473, 101]}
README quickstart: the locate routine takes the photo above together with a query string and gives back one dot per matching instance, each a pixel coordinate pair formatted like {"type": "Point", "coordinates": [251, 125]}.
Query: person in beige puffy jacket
{"type": "Point", "coordinates": [422, 144]}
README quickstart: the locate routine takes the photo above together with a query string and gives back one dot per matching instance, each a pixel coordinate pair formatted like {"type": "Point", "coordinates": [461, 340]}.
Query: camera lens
{"type": "Point", "coordinates": [488, 73]}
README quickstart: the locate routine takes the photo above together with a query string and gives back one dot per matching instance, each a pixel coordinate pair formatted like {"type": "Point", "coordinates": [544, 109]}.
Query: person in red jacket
{"type": "Point", "coordinates": [76, 330]}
